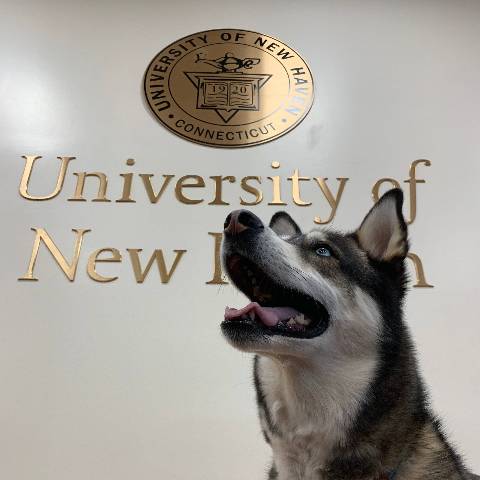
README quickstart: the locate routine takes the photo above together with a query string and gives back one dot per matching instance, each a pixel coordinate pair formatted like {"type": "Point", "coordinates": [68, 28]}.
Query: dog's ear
{"type": "Point", "coordinates": [283, 224]}
{"type": "Point", "coordinates": [383, 232]}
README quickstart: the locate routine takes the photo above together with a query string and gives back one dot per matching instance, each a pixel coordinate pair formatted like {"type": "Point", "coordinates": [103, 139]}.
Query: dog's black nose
{"type": "Point", "coordinates": [240, 220]}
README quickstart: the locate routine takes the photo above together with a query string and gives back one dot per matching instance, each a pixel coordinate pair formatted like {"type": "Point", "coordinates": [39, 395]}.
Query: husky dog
{"type": "Point", "coordinates": [338, 389]}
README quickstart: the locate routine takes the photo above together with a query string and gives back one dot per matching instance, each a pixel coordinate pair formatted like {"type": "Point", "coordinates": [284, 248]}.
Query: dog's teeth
{"type": "Point", "coordinates": [251, 314]}
{"type": "Point", "coordinates": [301, 320]}
{"type": "Point", "coordinates": [291, 322]}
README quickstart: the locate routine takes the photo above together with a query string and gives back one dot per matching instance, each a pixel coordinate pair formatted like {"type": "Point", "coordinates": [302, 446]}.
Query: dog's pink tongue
{"type": "Point", "coordinates": [269, 316]}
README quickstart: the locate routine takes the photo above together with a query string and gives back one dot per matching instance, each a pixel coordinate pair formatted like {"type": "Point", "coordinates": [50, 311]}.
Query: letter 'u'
{"type": "Point", "coordinates": [27, 171]}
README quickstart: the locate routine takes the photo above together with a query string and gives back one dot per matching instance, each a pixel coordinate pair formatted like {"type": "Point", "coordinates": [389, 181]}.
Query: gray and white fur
{"type": "Point", "coordinates": [340, 398]}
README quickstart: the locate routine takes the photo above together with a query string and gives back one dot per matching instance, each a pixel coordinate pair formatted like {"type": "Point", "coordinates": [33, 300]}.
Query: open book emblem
{"type": "Point", "coordinates": [229, 89]}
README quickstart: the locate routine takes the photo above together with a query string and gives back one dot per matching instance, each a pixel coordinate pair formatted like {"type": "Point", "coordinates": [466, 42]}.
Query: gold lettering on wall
{"type": "Point", "coordinates": [27, 171]}
{"type": "Point", "coordinates": [249, 189]}
{"type": "Point", "coordinates": [277, 196]}
{"type": "Point", "coordinates": [219, 179]}
{"type": "Point", "coordinates": [412, 181]}
{"type": "Point", "coordinates": [69, 269]}
{"type": "Point", "coordinates": [296, 179]}
{"type": "Point", "coordinates": [217, 261]}
{"type": "Point", "coordinates": [157, 257]}
{"type": "Point", "coordinates": [419, 272]}
{"type": "Point", "coordinates": [152, 196]}
{"type": "Point", "coordinates": [127, 184]}
{"type": "Point", "coordinates": [183, 183]}
{"type": "Point", "coordinates": [102, 187]}
{"type": "Point", "coordinates": [379, 183]}
{"type": "Point", "coordinates": [332, 201]}
{"type": "Point", "coordinates": [93, 260]}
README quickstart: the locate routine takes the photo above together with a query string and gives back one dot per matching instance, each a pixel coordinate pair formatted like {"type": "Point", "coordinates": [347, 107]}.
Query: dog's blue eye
{"type": "Point", "coordinates": [323, 252]}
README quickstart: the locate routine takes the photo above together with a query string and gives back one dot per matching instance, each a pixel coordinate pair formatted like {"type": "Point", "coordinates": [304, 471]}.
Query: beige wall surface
{"type": "Point", "coordinates": [124, 380]}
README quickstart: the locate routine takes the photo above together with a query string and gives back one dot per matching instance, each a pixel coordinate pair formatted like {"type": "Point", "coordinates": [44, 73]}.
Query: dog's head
{"type": "Point", "coordinates": [315, 291]}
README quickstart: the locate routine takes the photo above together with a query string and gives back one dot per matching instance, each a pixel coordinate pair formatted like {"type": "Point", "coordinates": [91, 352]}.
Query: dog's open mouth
{"type": "Point", "coordinates": [274, 309]}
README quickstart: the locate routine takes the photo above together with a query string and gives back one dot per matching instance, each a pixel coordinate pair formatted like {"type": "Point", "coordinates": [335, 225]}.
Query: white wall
{"type": "Point", "coordinates": [123, 381]}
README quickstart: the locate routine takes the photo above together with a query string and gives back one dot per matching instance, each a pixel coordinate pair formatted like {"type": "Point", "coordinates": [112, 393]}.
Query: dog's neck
{"type": "Point", "coordinates": [312, 405]}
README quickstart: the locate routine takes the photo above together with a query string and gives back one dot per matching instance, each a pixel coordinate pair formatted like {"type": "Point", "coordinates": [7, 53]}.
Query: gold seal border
{"type": "Point", "coordinates": [216, 145]}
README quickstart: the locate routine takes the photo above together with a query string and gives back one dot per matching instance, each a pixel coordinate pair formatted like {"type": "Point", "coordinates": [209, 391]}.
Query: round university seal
{"type": "Point", "coordinates": [229, 88]}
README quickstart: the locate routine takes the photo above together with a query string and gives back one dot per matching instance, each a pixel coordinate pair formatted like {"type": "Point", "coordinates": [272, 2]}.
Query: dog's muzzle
{"type": "Point", "coordinates": [241, 221]}
{"type": "Point", "coordinates": [274, 308]}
